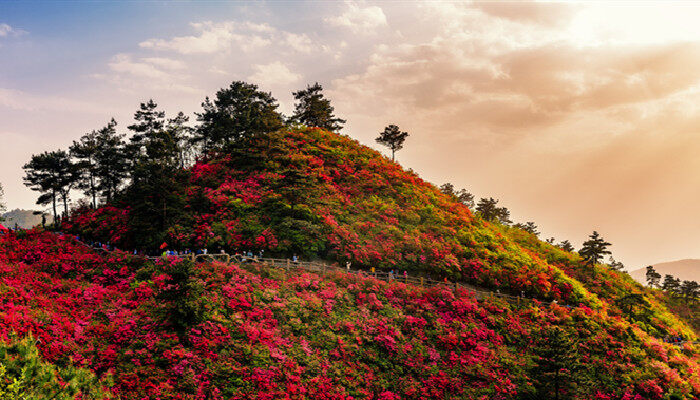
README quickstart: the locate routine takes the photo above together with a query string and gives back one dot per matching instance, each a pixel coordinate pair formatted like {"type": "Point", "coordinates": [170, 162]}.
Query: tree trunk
{"type": "Point", "coordinates": [94, 194]}
{"type": "Point", "coordinates": [65, 204]}
{"type": "Point", "coordinates": [54, 208]}
{"type": "Point", "coordinates": [556, 386]}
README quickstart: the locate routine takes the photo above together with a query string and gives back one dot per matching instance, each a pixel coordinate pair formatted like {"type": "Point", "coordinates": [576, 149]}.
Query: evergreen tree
{"type": "Point", "coordinates": [111, 160]}
{"type": "Point", "coordinates": [556, 364]}
{"type": "Point", "coordinates": [239, 112]}
{"type": "Point", "coordinates": [550, 240]}
{"type": "Point", "coordinates": [530, 227]}
{"type": "Point", "coordinates": [671, 285]}
{"type": "Point", "coordinates": [149, 121]}
{"type": "Point", "coordinates": [594, 249]}
{"type": "Point", "coordinates": [24, 375]}
{"type": "Point", "coordinates": [653, 277]}
{"type": "Point", "coordinates": [461, 195]}
{"type": "Point", "coordinates": [393, 138]}
{"type": "Point", "coordinates": [615, 265]}
{"type": "Point", "coordinates": [489, 210]}
{"type": "Point", "coordinates": [689, 290]}
{"type": "Point", "coordinates": [53, 175]}
{"type": "Point", "coordinates": [566, 245]}
{"type": "Point", "coordinates": [629, 303]}
{"type": "Point", "coordinates": [181, 135]}
{"type": "Point", "coordinates": [85, 151]}
{"type": "Point", "coordinates": [313, 110]}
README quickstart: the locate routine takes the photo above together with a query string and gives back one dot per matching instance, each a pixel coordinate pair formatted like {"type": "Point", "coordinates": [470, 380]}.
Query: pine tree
{"type": "Point", "coordinates": [689, 290]}
{"type": "Point", "coordinates": [653, 277]}
{"type": "Point", "coordinates": [112, 160]}
{"type": "Point", "coordinates": [556, 364]}
{"type": "Point", "coordinates": [53, 175]}
{"type": "Point", "coordinates": [149, 121]}
{"type": "Point", "coordinates": [566, 245]}
{"type": "Point", "coordinates": [393, 138]}
{"type": "Point", "coordinates": [529, 227]}
{"type": "Point", "coordinates": [25, 375]}
{"type": "Point", "coordinates": [181, 135]}
{"type": "Point", "coordinates": [615, 265]}
{"type": "Point", "coordinates": [489, 210]}
{"type": "Point", "coordinates": [461, 195]}
{"type": "Point", "coordinates": [671, 285]}
{"type": "Point", "coordinates": [594, 249]}
{"type": "Point", "coordinates": [85, 151]}
{"type": "Point", "coordinates": [314, 110]}
{"type": "Point", "coordinates": [239, 112]}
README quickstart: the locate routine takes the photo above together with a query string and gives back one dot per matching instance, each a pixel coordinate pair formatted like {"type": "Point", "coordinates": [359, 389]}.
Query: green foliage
{"type": "Point", "coordinates": [25, 376]}
{"type": "Point", "coordinates": [557, 364]}
{"type": "Point", "coordinates": [393, 138]}
{"type": "Point", "coordinates": [53, 175]}
{"type": "Point", "coordinates": [489, 210]}
{"type": "Point", "coordinates": [314, 110]}
{"type": "Point", "coordinates": [240, 111]}
{"type": "Point", "coordinates": [461, 195]}
{"type": "Point", "coordinates": [653, 277]}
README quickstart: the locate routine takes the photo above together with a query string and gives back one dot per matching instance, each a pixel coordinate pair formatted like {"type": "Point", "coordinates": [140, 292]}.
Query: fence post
{"type": "Point", "coordinates": [421, 281]}
{"type": "Point", "coordinates": [288, 265]}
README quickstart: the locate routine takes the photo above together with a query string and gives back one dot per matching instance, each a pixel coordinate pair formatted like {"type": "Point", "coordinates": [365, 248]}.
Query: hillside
{"type": "Point", "coordinates": [688, 270]}
{"type": "Point", "coordinates": [178, 330]}
{"type": "Point", "coordinates": [23, 218]}
{"type": "Point", "coordinates": [323, 195]}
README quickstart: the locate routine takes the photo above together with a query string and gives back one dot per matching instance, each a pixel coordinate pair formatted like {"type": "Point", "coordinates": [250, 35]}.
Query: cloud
{"type": "Point", "coordinates": [130, 73]}
{"type": "Point", "coordinates": [214, 37]}
{"type": "Point", "coordinates": [358, 18]}
{"type": "Point", "coordinates": [529, 11]}
{"type": "Point", "coordinates": [274, 73]}
{"type": "Point", "coordinates": [8, 31]}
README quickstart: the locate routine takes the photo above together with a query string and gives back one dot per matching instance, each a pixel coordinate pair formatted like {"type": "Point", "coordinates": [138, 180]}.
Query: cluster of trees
{"type": "Point", "coordinates": [593, 250]}
{"type": "Point", "coordinates": [687, 290]}
{"type": "Point", "coordinates": [105, 164]}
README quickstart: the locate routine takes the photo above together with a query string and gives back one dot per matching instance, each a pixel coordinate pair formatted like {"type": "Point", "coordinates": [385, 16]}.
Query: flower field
{"type": "Point", "coordinates": [178, 330]}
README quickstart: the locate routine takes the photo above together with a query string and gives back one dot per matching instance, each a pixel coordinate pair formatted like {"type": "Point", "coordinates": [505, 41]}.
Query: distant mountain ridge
{"type": "Point", "coordinates": [685, 270]}
{"type": "Point", "coordinates": [23, 218]}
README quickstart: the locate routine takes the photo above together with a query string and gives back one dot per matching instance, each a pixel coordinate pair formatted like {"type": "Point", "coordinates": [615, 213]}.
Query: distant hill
{"type": "Point", "coordinates": [23, 218]}
{"type": "Point", "coordinates": [685, 270]}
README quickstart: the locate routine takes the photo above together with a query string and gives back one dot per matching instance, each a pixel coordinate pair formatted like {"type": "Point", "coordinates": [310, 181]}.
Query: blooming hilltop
{"type": "Point", "coordinates": [175, 329]}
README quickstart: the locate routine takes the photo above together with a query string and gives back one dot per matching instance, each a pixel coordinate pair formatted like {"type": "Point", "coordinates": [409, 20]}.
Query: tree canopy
{"type": "Point", "coordinates": [314, 110]}
{"type": "Point", "coordinates": [393, 138]}
{"type": "Point", "coordinates": [238, 112]}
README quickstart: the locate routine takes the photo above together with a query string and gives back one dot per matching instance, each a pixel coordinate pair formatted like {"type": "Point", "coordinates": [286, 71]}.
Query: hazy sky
{"type": "Point", "coordinates": [577, 116]}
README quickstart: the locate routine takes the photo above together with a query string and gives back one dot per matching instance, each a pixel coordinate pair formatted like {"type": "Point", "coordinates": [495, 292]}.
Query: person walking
{"type": "Point", "coordinates": [347, 266]}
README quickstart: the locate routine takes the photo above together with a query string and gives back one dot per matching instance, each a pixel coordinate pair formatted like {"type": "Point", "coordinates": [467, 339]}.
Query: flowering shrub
{"type": "Point", "coordinates": [172, 330]}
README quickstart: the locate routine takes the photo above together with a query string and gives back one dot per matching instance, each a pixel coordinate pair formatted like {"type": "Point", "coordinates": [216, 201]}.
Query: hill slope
{"type": "Point", "coordinates": [323, 195]}
{"type": "Point", "coordinates": [175, 330]}
{"type": "Point", "coordinates": [24, 218]}
{"type": "Point", "coordinates": [685, 270]}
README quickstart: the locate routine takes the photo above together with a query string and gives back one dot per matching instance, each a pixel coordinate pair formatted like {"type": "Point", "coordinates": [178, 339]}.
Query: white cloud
{"type": "Point", "coordinates": [300, 43]}
{"type": "Point", "coordinates": [125, 63]}
{"type": "Point", "coordinates": [359, 18]}
{"type": "Point", "coordinates": [216, 37]}
{"type": "Point", "coordinates": [166, 63]}
{"type": "Point", "coordinates": [274, 73]}
{"type": "Point", "coordinates": [5, 30]}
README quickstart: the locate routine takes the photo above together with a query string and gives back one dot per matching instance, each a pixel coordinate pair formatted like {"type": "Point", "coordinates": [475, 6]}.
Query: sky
{"type": "Point", "coordinates": [579, 116]}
